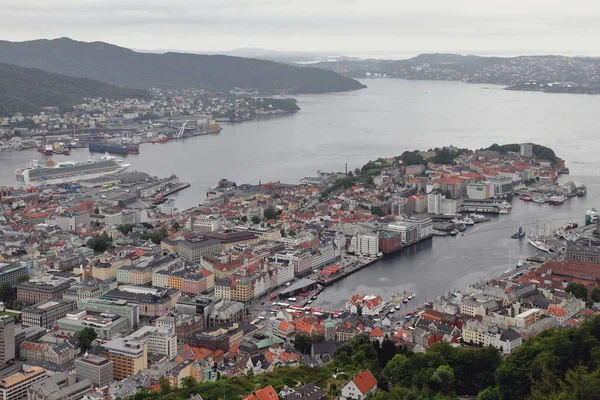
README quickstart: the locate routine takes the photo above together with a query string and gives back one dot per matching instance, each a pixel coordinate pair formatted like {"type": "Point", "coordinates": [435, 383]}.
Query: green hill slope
{"type": "Point", "coordinates": [27, 90]}
{"type": "Point", "coordinates": [117, 65]}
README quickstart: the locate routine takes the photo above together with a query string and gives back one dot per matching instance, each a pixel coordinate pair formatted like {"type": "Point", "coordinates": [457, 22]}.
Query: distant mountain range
{"type": "Point", "coordinates": [564, 74]}
{"type": "Point", "coordinates": [117, 65]}
{"type": "Point", "coordinates": [27, 90]}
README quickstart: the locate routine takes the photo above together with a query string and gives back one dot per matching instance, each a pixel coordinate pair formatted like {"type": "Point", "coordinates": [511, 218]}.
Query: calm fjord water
{"type": "Point", "coordinates": [387, 118]}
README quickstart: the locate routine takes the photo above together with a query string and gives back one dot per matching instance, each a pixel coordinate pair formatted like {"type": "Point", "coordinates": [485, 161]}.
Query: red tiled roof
{"type": "Point", "coordinates": [365, 381]}
{"type": "Point", "coordinates": [268, 393]}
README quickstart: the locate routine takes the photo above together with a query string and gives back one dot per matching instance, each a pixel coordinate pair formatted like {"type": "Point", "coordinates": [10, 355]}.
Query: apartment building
{"type": "Point", "coordinates": [128, 357]}
{"type": "Point", "coordinates": [10, 273]}
{"type": "Point", "coordinates": [15, 386]}
{"type": "Point", "coordinates": [158, 340]}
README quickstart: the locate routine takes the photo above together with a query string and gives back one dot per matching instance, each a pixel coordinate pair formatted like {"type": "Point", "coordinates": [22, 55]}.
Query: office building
{"type": "Point", "coordinates": [36, 291]}
{"type": "Point", "coordinates": [192, 250]}
{"type": "Point", "coordinates": [99, 370]}
{"type": "Point", "coordinates": [7, 339]}
{"type": "Point", "coordinates": [216, 338]}
{"type": "Point", "coordinates": [90, 289]}
{"type": "Point", "coordinates": [158, 340]}
{"type": "Point", "coordinates": [59, 387]}
{"type": "Point", "coordinates": [152, 302]}
{"type": "Point", "coordinates": [128, 356]}
{"type": "Point", "coordinates": [367, 245]}
{"type": "Point", "coordinates": [107, 326]}
{"type": "Point", "coordinates": [126, 309]}
{"type": "Point", "coordinates": [44, 314]}
{"type": "Point", "coordinates": [15, 386]}
{"type": "Point", "coordinates": [11, 272]}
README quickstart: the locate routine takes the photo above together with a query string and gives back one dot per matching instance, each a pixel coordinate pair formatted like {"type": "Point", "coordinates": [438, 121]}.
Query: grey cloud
{"type": "Point", "coordinates": [334, 25]}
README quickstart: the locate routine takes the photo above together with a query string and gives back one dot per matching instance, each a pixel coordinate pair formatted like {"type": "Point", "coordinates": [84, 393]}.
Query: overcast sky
{"type": "Point", "coordinates": [503, 27]}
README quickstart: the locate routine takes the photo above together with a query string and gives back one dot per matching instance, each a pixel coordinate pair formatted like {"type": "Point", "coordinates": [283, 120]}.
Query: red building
{"type": "Point", "coordinates": [389, 242]}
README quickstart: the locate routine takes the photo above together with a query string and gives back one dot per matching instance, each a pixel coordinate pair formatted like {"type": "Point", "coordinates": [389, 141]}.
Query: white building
{"type": "Point", "coordinates": [424, 226]}
{"type": "Point", "coordinates": [434, 203]}
{"type": "Point", "coordinates": [367, 245]}
{"type": "Point", "coordinates": [158, 340]}
{"type": "Point", "coordinates": [526, 150]}
{"type": "Point", "coordinates": [480, 190]}
{"type": "Point", "coordinates": [448, 207]}
{"type": "Point", "coordinates": [359, 387]}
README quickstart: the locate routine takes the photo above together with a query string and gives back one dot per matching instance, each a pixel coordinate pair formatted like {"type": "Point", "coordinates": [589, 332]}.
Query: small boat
{"type": "Point", "coordinates": [526, 198]}
{"type": "Point", "coordinates": [478, 218]}
{"type": "Point", "coordinates": [391, 311]}
{"type": "Point", "coordinates": [556, 200]}
{"type": "Point", "coordinates": [398, 307]}
{"type": "Point", "coordinates": [520, 234]}
{"type": "Point", "coordinates": [380, 254]}
{"type": "Point", "coordinates": [570, 225]}
{"type": "Point", "coordinates": [405, 301]}
{"type": "Point", "coordinates": [520, 263]}
{"type": "Point", "coordinates": [454, 232]}
{"type": "Point", "coordinates": [414, 294]}
{"type": "Point", "coordinates": [540, 199]}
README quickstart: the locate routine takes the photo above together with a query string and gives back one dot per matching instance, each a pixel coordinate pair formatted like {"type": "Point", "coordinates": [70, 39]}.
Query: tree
{"type": "Point", "coordinates": [269, 213]}
{"type": "Point", "coordinates": [165, 386]}
{"type": "Point", "coordinates": [244, 219]}
{"type": "Point", "coordinates": [282, 232]}
{"type": "Point", "coordinates": [100, 244]}
{"type": "Point", "coordinates": [176, 225]}
{"type": "Point", "coordinates": [442, 380]}
{"type": "Point", "coordinates": [125, 228]}
{"type": "Point", "coordinates": [255, 220]}
{"type": "Point", "coordinates": [578, 290]}
{"type": "Point", "coordinates": [303, 343]}
{"type": "Point", "coordinates": [6, 292]}
{"type": "Point", "coordinates": [596, 295]}
{"type": "Point", "coordinates": [490, 393]}
{"type": "Point", "coordinates": [86, 336]}
{"type": "Point", "coordinates": [23, 278]}
{"type": "Point", "coordinates": [377, 211]}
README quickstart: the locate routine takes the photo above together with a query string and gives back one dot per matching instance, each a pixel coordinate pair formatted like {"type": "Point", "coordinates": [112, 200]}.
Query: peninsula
{"type": "Point", "coordinates": [552, 74]}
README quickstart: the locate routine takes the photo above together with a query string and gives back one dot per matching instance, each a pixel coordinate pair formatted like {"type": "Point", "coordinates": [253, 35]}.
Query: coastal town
{"type": "Point", "coordinates": [108, 289]}
{"type": "Point", "coordinates": [168, 114]}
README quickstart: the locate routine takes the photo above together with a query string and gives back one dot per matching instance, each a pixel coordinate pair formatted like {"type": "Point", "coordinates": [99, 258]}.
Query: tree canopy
{"type": "Point", "coordinates": [578, 290]}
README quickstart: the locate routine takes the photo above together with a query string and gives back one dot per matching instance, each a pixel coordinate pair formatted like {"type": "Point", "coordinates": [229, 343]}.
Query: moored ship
{"type": "Point", "coordinates": [69, 171]}
{"type": "Point", "coordinates": [114, 148]}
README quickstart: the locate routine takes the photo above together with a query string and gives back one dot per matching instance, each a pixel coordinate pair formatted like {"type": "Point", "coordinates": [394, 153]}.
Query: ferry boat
{"type": "Point", "coordinates": [591, 216]}
{"type": "Point", "coordinates": [69, 171]}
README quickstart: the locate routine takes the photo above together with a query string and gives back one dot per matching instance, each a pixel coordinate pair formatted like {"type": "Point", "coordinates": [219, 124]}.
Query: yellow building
{"type": "Point", "coordinates": [175, 282]}
{"type": "Point", "coordinates": [128, 356]}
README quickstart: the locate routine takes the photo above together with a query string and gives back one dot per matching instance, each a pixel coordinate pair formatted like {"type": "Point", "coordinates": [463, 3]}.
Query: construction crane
{"type": "Point", "coordinates": [179, 134]}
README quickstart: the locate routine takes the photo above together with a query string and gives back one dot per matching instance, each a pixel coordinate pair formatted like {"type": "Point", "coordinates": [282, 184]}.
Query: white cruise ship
{"type": "Point", "coordinates": [69, 171]}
